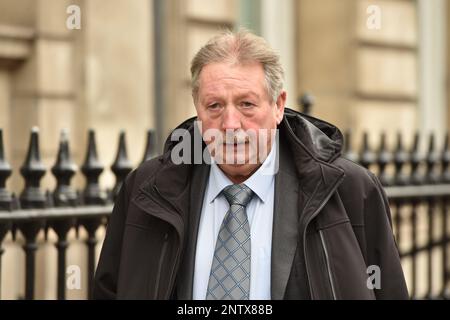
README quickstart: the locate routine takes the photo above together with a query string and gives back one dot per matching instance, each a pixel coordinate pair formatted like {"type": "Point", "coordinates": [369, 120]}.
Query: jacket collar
{"type": "Point", "coordinates": [313, 153]}
{"type": "Point", "coordinates": [314, 145]}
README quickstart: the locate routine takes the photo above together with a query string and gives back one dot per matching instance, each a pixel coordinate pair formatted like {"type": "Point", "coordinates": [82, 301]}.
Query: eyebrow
{"type": "Point", "coordinates": [250, 93]}
{"type": "Point", "coordinates": [239, 96]}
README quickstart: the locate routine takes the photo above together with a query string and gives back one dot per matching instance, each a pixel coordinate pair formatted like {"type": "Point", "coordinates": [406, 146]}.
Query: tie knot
{"type": "Point", "coordinates": [238, 194]}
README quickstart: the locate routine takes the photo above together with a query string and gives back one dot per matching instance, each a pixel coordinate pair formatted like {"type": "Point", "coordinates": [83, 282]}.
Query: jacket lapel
{"type": "Point", "coordinates": [285, 224]}
{"type": "Point", "coordinates": [186, 275]}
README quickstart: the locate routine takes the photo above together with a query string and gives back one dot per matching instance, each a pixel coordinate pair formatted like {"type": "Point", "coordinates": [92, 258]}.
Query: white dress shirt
{"type": "Point", "coordinates": [260, 217]}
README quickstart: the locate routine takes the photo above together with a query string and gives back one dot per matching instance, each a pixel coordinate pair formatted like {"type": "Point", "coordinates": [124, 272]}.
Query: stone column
{"type": "Point", "coordinates": [278, 28]}
{"type": "Point", "coordinates": [326, 56]}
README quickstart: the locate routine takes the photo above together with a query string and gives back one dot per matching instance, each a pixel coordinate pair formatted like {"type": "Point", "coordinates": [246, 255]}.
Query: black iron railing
{"type": "Point", "coordinates": [417, 185]}
{"type": "Point", "coordinates": [64, 208]}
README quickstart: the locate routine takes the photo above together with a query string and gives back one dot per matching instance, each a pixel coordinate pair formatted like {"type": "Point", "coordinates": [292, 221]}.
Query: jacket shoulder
{"type": "Point", "coordinates": [360, 192]}
{"type": "Point", "coordinates": [142, 173]}
{"type": "Point", "coordinates": [356, 176]}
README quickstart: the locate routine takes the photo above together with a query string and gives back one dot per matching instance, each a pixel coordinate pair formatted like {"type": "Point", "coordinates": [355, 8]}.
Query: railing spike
{"type": "Point", "coordinates": [445, 159]}
{"type": "Point", "coordinates": [384, 158]}
{"type": "Point", "coordinates": [32, 171]}
{"type": "Point", "coordinates": [349, 153]}
{"type": "Point", "coordinates": [91, 159]}
{"type": "Point", "coordinates": [367, 157]}
{"type": "Point", "coordinates": [63, 170]}
{"type": "Point", "coordinates": [2, 152]}
{"type": "Point", "coordinates": [150, 146]}
{"type": "Point", "coordinates": [5, 172]}
{"type": "Point", "coordinates": [415, 159]}
{"type": "Point", "coordinates": [5, 196]}
{"type": "Point", "coordinates": [432, 160]}
{"type": "Point", "coordinates": [401, 157]}
{"type": "Point", "coordinates": [122, 165]}
{"type": "Point", "coordinates": [92, 170]}
{"type": "Point", "coordinates": [307, 102]}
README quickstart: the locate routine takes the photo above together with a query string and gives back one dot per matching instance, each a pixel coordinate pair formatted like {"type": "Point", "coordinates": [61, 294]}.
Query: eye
{"type": "Point", "coordinates": [247, 104]}
{"type": "Point", "coordinates": [213, 106]}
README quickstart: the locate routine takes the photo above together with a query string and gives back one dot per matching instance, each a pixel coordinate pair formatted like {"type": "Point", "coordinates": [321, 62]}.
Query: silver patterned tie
{"type": "Point", "coordinates": [230, 271]}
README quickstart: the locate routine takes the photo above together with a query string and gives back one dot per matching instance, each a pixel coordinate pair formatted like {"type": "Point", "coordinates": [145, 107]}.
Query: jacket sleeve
{"type": "Point", "coordinates": [381, 247]}
{"type": "Point", "coordinates": [105, 280]}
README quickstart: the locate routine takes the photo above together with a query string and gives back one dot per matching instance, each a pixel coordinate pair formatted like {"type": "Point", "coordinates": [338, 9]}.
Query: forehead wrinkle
{"type": "Point", "coordinates": [235, 94]}
{"type": "Point", "coordinates": [215, 79]}
{"type": "Point", "coordinates": [229, 83]}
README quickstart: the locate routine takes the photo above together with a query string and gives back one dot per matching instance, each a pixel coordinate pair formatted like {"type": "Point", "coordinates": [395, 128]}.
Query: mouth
{"type": "Point", "coordinates": [235, 144]}
{"type": "Point", "coordinates": [235, 154]}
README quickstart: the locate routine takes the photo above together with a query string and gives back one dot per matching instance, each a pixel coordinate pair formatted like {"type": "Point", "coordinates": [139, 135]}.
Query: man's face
{"type": "Point", "coordinates": [233, 100]}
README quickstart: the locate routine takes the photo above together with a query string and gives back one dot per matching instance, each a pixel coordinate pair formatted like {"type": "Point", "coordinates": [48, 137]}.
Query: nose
{"type": "Point", "coordinates": [231, 119]}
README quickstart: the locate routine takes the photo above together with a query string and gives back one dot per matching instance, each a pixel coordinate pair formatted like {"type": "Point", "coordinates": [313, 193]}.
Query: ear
{"type": "Point", "coordinates": [280, 104]}
{"type": "Point", "coordinates": [194, 99]}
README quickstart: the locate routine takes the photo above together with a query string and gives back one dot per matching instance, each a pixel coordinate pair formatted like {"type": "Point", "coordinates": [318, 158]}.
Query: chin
{"type": "Point", "coordinates": [238, 172]}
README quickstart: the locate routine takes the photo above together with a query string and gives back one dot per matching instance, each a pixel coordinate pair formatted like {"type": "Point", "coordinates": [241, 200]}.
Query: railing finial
{"type": "Point", "coordinates": [349, 153]}
{"type": "Point", "coordinates": [63, 170]}
{"type": "Point", "coordinates": [432, 160]}
{"type": "Point", "coordinates": [5, 172]}
{"type": "Point", "coordinates": [32, 171]}
{"type": "Point", "coordinates": [384, 158]}
{"type": "Point", "coordinates": [92, 170]}
{"type": "Point", "coordinates": [150, 146]}
{"type": "Point", "coordinates": [307, 102]}
{"type": "Point", "coordinates": [401, 157]}
{"type": "Point", "coordinates": [122, 165]}
{"type": "Point", "coordinates": [416, 158]}
{"type": "Point", "coordinates": [367, 157]}
{"type": "Point", "coordinates": [446, 160]}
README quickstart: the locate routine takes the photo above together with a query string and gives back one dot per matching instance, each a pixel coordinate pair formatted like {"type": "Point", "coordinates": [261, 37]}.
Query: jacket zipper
{"type": "Point", "coordinates": [177, 256]}
{"type": "Point", "coordinates": [324, 246]}
{"type": "Point", "coordinates": [160, 265]}
{"type": "Point", "coordinates": [315, 213]}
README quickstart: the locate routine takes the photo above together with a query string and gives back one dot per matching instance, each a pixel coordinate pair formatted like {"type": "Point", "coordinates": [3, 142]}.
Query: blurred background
{"type": "Point", "coordinates": [375, 66]}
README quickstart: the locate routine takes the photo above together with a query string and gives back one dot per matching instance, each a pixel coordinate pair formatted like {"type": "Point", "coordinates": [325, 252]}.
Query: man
{"type": "Point", "coordinates": [265, 216]}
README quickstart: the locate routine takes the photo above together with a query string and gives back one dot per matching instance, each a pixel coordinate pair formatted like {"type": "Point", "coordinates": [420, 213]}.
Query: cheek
{"type": "Point", "coordinates": [203, 118]}
{"type": "Point", "coordinates": [200, 113]}
{"type": "Point", "coordinates": [208, 124]}
{"type": "Point", "coordinates": [266, 121]}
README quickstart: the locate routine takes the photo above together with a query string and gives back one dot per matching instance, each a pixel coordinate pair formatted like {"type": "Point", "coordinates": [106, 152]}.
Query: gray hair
{"type": "Point", "coordinates": [239, 48]}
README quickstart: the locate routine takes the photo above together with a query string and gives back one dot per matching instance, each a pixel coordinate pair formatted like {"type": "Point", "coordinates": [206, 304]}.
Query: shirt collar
{"type": "Point", "coordinates": [259, 182]}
